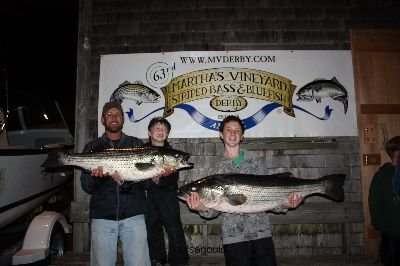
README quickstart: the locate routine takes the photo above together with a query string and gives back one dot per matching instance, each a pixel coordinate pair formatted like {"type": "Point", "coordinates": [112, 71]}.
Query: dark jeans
{"type": "Point", "coordinates": [389, 251]}
{"type": "Point", "coordinates": [256, 252]}
{"type": "Point", "coordinates": [163, 211]}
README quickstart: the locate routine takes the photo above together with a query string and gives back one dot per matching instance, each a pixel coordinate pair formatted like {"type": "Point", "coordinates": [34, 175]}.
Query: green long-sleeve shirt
{"type": "Point", "coordinates": [383, 206]}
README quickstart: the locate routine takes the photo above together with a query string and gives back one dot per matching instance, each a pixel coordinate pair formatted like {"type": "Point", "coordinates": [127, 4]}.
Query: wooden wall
{"type": "Point", "coordinates": [111, 26]}
{"type": "Point", "coordinates": [376, 60]}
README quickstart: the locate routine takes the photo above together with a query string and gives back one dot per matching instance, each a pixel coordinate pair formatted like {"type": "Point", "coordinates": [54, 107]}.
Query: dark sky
{"type": "Point", "coordinates": [38, 43]}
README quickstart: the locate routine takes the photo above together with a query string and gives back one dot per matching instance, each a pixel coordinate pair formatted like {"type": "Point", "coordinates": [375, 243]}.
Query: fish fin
{"type": "Point", "coordinates": [284, 175]}
{"type": "Point", "coordinates": [100, 146]}
{"type": "Point", "coordinates": [343, 99]}
{"type": "Point", "coordinates": [236, 199]}
{"type": "Point", "coordinates": [334, 186]}
{"type": "Point", "coordinates": [115, 98]}
{"type": "Point", "coordinates": [112, 99]}
{"type": "Point", "coordinates": [334, 80]}
{"type": "Point", "coordinates": [144, 166]}
{"type": "Point", "coordinates": [319, 79]}
{"type": "Point", "coordinates": [279, 210]}
{"type": "Point", "coordinates": [124, 84]}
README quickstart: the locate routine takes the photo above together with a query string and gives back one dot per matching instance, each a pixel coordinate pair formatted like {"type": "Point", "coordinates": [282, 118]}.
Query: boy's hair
{"type": "Point", "coordinates": [392, 146]}
{"type": "Point", "coordinates": [114, 104]}
{"type": "Point", "coordinates": [161, 120]}
{"type": "Point", "coordinates": [231, 118]}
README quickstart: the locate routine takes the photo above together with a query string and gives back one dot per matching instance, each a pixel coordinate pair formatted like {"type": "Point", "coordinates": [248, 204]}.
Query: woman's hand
{"type": "Point", "coordinates": [166, 172]}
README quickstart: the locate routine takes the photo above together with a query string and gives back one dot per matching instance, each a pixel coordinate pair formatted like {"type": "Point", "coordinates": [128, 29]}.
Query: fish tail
{"type": "Point", "coordinates": [346, 105]}
{"type": "Point", "coordinates": [334, 186]}
{"type": "Point", "coordinates": [115, 99]}
{"type": "Point", "coordinates": [54, 159]}
{"type": "Point", "coordinates": [116, 96]}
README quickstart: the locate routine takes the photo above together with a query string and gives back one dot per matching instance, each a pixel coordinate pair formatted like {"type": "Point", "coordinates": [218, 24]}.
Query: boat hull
{"type": "Point", "coordinates": [23, 185]}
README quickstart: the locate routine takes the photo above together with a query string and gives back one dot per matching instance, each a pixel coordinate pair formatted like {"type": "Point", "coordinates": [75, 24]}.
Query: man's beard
{"type": "Point", "coordinates": [114, 129]}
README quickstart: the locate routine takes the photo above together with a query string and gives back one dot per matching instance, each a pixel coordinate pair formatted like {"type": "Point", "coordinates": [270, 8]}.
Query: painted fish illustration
{"type": "Point", "coordinates": [245, 193]}
{"type": "Point", "coordinates": [133, 164]}
{"type": "Point", "coordinates": [322, 88]}
{"type": "Point", "coordinates": [136, 92]}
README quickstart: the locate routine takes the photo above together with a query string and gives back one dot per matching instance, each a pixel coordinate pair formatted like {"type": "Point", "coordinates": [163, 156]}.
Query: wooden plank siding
{"type": "Point", "coordinates": [376, 64]}
{"type": "Point", "coordinates": [115, 27]}
{"type": "Point", "coordinates": [307, 213]}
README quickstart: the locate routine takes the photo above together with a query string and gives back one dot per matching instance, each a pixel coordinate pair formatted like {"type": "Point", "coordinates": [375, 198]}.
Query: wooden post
{"type": "Point", "coordinates": [81, 230]}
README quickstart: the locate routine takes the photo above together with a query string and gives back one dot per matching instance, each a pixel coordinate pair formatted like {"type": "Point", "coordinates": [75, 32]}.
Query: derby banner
{"type": "Point", "coordinates": [275, 93]}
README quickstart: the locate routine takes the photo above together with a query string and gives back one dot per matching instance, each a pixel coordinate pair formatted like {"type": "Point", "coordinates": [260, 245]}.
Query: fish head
{"type": "Point", "coordinates": [151, 96]}
{"type": "Point", "coordinates": [306, 93]}
{"type": "Point", "coordinates": [174, 158]}
{"type": "Point", "coordinates": [210, 191]}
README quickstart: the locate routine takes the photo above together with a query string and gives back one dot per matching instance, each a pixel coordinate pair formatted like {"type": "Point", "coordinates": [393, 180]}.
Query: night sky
{"type": "Point", "coordinates": [38, 44]}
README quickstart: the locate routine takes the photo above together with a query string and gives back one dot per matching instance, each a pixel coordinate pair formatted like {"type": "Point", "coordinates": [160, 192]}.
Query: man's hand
{"type": "Point", "coordinates": [117, 177]}
{"type": "Point", "coordinates": [194, 203]}
{"type": "Point", "coordinates": [98, 172]}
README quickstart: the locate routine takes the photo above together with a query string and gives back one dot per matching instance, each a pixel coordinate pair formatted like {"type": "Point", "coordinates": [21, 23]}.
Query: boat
{"type": "Point", "coordinates": [34, 204]}
{"type": "Point", "coordinates": [27, 135]}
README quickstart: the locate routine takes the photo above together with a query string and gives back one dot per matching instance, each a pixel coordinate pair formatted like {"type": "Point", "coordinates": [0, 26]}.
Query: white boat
{"type": "Point", "coordinates": [23, 185]}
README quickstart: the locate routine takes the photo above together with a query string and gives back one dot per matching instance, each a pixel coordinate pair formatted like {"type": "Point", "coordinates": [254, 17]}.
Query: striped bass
{"type": "Point", "coordinates": [136, 92]}
{"type": "Point", "coordinates": [322, 88]}
{"type": "Point", "coordinates": [133, 164]}
{"type": "Point", "coordinates": [245, 193]}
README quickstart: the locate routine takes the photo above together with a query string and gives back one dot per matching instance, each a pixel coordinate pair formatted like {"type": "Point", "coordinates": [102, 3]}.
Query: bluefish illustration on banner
{"type": "Point", "coordinates": [271, 91]}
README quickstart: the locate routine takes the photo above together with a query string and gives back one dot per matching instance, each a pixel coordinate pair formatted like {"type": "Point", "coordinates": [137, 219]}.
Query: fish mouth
{"type": "Point", "coordinates": [182, 195]}
{"type": "Point", "coordinates": [184, 161]}
{"type": "Point", "coordinates": [153, 98]}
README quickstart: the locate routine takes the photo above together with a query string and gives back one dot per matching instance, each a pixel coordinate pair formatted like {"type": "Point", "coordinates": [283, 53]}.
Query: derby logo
{"type": "Point", "coordinates": [228, 87]}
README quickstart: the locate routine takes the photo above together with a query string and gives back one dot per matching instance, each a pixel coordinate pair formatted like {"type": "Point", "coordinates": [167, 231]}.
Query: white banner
{"type": "Point", "coordinates": [275, 93]}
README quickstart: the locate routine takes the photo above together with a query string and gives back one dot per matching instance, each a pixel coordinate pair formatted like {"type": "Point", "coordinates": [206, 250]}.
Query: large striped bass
{"type": "Point", "coordinates": [133, 164]}
{"type": "Point", "coordinates": [245, 193]}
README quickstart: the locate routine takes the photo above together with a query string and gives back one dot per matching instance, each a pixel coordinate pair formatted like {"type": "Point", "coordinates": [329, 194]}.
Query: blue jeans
{"type": "Point", "coordinates": [133, 235]}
